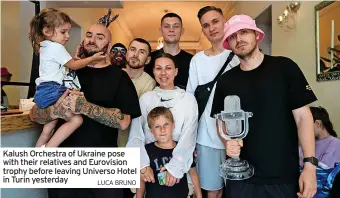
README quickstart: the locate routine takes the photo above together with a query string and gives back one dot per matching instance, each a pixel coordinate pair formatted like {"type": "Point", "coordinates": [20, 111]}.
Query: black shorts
{"type": "Point", "coordinates": [242, 189]}
{"type": "Point", "coordinates": [85, 193]}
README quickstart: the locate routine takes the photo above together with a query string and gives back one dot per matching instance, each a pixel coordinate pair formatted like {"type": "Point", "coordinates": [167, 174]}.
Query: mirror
{"type": "Point", "coordinates": [327, 21]}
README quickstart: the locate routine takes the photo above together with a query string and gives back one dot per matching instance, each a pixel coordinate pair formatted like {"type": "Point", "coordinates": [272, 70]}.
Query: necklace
{"type": "Point", "coordinates": [92, 64]}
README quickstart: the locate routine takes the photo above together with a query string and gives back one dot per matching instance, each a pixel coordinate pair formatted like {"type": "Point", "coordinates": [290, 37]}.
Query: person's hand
{"type": "Point", "coordinates": [233, 147]}
{"type": "Point", "coordinates": [79, 51]}
{"type": "Point", "coordinates": [307, 181]}
{"type": "Point", "coordinates": [98, 56]}
{"type": "Point", "coordinates": [146, 174]}
{"type": "Point", "coordinates": [76, 54]}
{"type": "Point", "coordinates": [58, 110]}
{"type": "Point", "coordinates": [170, 180]}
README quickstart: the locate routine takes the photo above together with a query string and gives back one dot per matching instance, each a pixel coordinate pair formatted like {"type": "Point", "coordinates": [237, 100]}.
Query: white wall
{"type": "Point", "coordinates": [16, 50]}
{"type": "Point", "coordinates": [75, 39]}
{"type": "Point", "coordinates": [299, 45]}
{"type": "Point", "coordinates": [26, 51]}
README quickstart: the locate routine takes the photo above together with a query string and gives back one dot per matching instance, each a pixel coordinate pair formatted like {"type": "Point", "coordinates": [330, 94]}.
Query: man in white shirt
{"type": "Point", "coordinates": [204, 67]}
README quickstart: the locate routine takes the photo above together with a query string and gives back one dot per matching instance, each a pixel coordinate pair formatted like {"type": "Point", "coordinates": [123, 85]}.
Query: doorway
{"type": "Point", "coordinates": [264, 22]}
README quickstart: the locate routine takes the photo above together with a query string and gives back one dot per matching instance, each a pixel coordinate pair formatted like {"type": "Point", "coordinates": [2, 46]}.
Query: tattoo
{"type": "Point", "coordinates": [80, 103]}
{"type": "Point", "coordinates": [41, 116]}
{"type": "Point", "coordinates": [59, 111]}
{"type": "Point", "coordinates": [107, 116]}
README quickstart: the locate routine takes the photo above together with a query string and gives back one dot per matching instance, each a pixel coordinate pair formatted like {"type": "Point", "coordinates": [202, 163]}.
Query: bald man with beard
{"type": "Point", "coordinates": [108, 103]}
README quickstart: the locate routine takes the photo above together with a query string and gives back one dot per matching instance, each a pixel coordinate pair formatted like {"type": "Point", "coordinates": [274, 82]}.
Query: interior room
{"type": "Point", "coordinates": [309, 34]}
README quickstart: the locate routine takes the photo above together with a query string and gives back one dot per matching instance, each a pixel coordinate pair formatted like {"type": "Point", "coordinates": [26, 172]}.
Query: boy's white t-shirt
{"type": "Point", "coordinates": [53, 57]}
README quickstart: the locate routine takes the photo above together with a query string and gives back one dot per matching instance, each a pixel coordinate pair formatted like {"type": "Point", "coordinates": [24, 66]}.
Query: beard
{"type": "Point", "coordinates": [116, 61]}
{"type": "Point", "coordinates": [134, 64]}
{"type": "Point", "coordinates": [247, 53]}
{"type": "Point", "coordinates": [91, 52]}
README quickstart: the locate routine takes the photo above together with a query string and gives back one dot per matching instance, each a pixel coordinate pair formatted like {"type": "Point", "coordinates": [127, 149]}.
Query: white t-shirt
{"type": "Point", "coordinates": [53, 57]}
{"type": "Point", "coordinates": [184, 108]}
{"type": "Point", "coordinates": [203, 69]}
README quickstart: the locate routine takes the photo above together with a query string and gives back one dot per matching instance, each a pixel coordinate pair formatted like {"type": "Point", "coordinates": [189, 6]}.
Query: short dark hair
{"type": "Point", "coordinates": [170, 15]}
{"type": "Point", "coordinates": [157, 112]}
{"type": "Point", "coordinates": [165, 55]}
{"type": "Point", "coordinates": [142, 41]}
{"type": "Point", "coordinates": [206, 9]}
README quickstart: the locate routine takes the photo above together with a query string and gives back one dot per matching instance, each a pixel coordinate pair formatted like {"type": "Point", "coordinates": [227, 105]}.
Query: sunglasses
{"type": "Point", "coordinates": [119, 49]}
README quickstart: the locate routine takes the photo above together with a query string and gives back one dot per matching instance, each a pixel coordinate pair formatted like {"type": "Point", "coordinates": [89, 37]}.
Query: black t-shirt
{"type": "Point", "coordinates": [182, 61]}
{"type": "Point", "coordinates": [108, 87]}
{"type": "Point", "coordinates": [270, 91]}
{"type": "Point", "coordinates": [158, 158]}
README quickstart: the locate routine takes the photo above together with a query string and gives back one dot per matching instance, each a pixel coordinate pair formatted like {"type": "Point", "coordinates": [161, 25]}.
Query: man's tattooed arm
{"type": "Point", "coordinates": [111, 117]}
{"type": "Point", "coordinates": [41, 116]}
{"type": "Point", "coordinates": [46, 115]}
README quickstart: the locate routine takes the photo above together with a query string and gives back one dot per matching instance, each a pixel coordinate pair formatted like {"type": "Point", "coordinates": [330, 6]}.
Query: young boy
{"type": "Point", "coordinates": [162, 124]}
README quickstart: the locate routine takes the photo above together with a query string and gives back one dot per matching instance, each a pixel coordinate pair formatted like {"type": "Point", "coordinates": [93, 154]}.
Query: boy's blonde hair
{"type": "Point", "coordinates": [159, 111]}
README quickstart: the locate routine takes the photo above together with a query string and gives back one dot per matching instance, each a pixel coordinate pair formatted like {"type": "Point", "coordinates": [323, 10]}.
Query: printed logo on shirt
{"type": "Point", "coordinates": [70, 79]}
{"type": "Point", "coordinates": [160, 162]}
{"type": "Point", "coordinates": [163, 100]}
{"type": "Point", "coordinates": [308, 87]}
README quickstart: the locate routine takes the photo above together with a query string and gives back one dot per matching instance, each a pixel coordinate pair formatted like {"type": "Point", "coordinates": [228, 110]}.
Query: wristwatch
{"type": "Point", "coordinates": [312, 160]}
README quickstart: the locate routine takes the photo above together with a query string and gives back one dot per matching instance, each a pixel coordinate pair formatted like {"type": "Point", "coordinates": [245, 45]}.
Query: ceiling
{"type": "Point", "coordinates": [87, 4]}
{"type": "Point", "coordinates": [143, 18]}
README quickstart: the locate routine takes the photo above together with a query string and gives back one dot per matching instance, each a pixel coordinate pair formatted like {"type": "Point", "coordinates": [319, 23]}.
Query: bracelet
{"type": "Point", "coordinates": [144, 171]}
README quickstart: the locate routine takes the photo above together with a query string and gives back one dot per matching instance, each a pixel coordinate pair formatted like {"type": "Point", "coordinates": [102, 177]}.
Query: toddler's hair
{"type": "Point", "coordinates": [49, 18]}
{"type": "Point", "coordinates": [159, 111]}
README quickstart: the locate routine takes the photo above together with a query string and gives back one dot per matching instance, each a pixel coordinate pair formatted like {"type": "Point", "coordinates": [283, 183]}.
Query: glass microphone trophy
{"type": "Point", "coordinates": [232, 117]}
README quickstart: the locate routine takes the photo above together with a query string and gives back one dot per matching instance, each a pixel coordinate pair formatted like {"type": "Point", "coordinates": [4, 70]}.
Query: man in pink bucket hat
{"type": "Point", "coordinates": [275, 90]}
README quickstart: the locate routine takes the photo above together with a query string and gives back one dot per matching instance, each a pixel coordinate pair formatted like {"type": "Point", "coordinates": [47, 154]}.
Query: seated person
{"type": "Point", "coordinates": [327, 145]}
{"type": "Point", "coordinates": [162, 124]}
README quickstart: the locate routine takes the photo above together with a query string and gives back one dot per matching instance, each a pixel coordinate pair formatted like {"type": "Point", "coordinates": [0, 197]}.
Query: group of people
{"type": "Point", "coordinates": [93, 100]}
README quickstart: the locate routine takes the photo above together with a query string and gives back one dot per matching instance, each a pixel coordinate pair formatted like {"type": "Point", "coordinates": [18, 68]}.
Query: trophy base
{"type": "Point", "coordinates": [236, 169]}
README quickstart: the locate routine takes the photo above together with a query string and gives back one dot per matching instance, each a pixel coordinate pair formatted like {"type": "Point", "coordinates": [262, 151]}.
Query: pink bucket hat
{"type": "Point", "coordinates": [239, 22]}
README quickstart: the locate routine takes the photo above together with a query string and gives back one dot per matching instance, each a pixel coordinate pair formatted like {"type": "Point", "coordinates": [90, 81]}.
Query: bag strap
{"type": "Point", "coordinates": [230, 57]}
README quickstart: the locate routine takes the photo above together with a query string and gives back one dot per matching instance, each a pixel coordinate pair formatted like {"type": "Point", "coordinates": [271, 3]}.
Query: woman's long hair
{"type": "Point", "coordinates": [320, 113]}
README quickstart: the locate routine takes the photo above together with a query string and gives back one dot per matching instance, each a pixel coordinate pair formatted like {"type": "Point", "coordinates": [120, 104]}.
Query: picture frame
{"type": "Point", "coordinates": [327, 27]}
